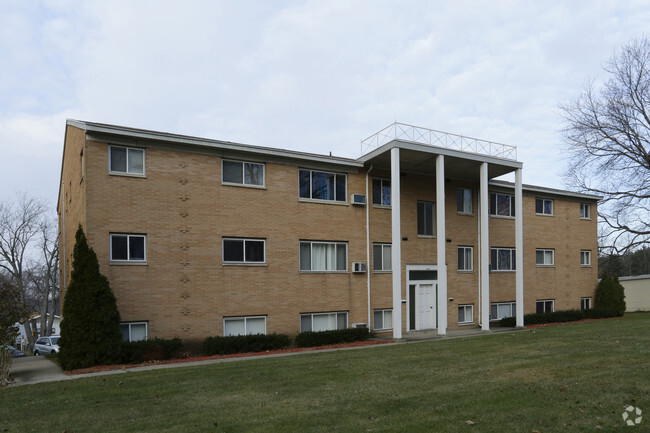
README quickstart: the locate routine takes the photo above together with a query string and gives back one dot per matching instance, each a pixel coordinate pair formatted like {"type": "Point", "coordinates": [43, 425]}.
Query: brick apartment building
{"type": "Point", "coordinates": [202, 237]}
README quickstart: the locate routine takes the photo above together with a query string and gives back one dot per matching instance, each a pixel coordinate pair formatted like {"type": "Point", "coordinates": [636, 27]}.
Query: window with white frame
{"type": "Point", "coordinates": [244, 250]}
{"type": "Point", "coordinates": [464, 197]}
{"type": "Point", "coordinates": [383, 319]}
{"type": "Point", "coordinates": [381, 191]}
{"type": "Point", "coordinates": [543, 206]}
{"type": "Point", "coordinates": [126, 160]}
{"type": "Point", "coordinates": [134, 331]}
{"type": "Point", "coordinates": [248, 325]}
{"type": "Point", "coordinates": [316, 322]}
{"type": "Point", "coordinates": [585, 257]}
{"type": "Point", "coordinates": [545, 306]}
{"type": "Point", "coordinates": [502, 204]}
{"type": "Point", "coordinates": [465, 258]}
{"type": "Point", "coordinates": [544, 257]}
{"type": "Point", "coordinates": [426, 218]}
{"type": "Point", "coordinates": [466, 313]}
{"type": "Point", "coordinates": [242, 173]}
{"type": "Point", "coordinates": [502, 259]}
{"type": "Point", "coordinates": [585, 303]}
{"type": "Point", "coordinates": [128, 247]}
{"type": "Point", "coordinates": [499, 310]}
{"type": "Point", "coordinates": [585, 211]}
{"type": "Point", "coordinates": [322, 185]}
{"type": "Point", "coordinates": [381, 257]}
{"type": "Point", "coordinates": [323, 256]}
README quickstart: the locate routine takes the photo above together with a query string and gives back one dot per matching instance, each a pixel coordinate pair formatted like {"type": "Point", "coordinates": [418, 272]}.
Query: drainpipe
{"type": "Point", "coordinates": [368, 245]}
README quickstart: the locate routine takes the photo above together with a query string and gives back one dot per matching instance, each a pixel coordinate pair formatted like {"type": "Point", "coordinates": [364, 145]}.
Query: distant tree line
{"type": "Point", "coordinates": [623, 265]}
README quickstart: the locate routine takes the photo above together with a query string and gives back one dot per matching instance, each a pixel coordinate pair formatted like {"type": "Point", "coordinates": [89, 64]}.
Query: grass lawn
{"type": "Point", "coordinates": [566, 378]}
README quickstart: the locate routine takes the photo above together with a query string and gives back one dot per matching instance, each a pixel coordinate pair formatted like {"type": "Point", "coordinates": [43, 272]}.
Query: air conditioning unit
{"type": "Point", "coordinates": [359, 325]}
{"type": "Point", "coordinates": [358, 199]}
{"type": "Point", "coordinates": [358, 267]}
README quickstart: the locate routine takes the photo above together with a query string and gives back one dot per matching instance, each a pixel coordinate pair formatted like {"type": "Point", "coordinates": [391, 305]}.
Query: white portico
{"type": "Point", "coordinates": [420, 290]}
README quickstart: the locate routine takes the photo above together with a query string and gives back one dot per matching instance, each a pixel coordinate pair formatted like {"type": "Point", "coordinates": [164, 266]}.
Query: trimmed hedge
{"type": "Point", "coordinates": [325, 338]}
{"type": "Point", "coordinates": [560, 317]}
{"type": "Point", "coordinates": [158, 349]}
{"type": "Point", "coordinates": [244, 344]}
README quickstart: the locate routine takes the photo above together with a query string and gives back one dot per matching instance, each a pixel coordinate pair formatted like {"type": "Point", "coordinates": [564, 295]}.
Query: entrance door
{"type": "Point", "coordinates": [425, 306]}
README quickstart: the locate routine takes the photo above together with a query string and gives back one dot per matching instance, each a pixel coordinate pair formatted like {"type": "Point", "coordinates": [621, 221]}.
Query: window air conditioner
{"type": "Point", "coordinates": [358, 267]}
{"type": "Point", "coordinates": [359, 199]}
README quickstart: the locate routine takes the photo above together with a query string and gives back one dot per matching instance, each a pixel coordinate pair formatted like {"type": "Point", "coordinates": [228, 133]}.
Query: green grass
{"type": "Point", "coordinates": [567, 378]}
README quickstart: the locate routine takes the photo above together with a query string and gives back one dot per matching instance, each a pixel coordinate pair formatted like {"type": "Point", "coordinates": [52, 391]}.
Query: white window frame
{"type": "Point", "coordinates": [494, 208]}
{"type": "Point", "coordinates": [327, 313]}
{"type": "Point", "coordinates": [494, 267]}
{"type": "Point", "coordinates": [547, 252]}
{"type": "Point", "coordinates": [130, 324]}
{"type": "Point", "coordinates": [126, 172]}
{"type": "Point", "coordinates": [544, 201]}
{"type": "Point", "coordinates": [385, 251]}
{"type": "Point", "coordinates": [128, 242]}
{"type": "Point", "coordinates": [433, 219]}
{"type": "Point", "coordinates": [383, 312]}
{"type": "Point", "coordinates": [585, 211]}
{"type": "Point", "coordinates": [325, 200]}
{"type": "Point", "coordinates": [243, 173]}
{"type": "Point", "coordinates": [463, 250]}
{"type": "Point", "coordinates": [465, 307]}
{"type": "Point", "coordinates": [511, 305]}
{"type": "Point", "coordinates": [311, 256]}
{"type": "Point", "coordinates": [585, 303]}
{"type": "Point", "coordinates": [244, 261]}
{"type": "Point", "coordinates": [381, 192]}
{"type": "Point", "coordinates": [545, 301]}
{"type": "Point", "coordinates": [585, 258]}
{"type": "Point", "coordinates": [461, 196]}
{"type": "Point", "coordinates": [245, 319]}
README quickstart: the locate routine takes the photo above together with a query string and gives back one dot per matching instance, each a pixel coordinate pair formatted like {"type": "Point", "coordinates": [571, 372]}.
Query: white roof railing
{"type": "Point", "coordinates": [416, 134]}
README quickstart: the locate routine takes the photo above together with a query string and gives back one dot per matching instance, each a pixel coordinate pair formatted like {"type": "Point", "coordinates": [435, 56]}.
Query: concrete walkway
{"type": "Point", "coordinates": [38, 369]}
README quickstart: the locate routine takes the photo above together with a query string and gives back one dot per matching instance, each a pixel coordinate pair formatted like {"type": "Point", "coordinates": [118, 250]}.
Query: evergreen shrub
{"type": "Point", "coordinates": [158, 349]}
{"type": "Point", "coordinates": [244, 344]}
{"type": "Point", "coordinates": [325, 338]}
{"type": "Point", "coordinates": [610, 294]}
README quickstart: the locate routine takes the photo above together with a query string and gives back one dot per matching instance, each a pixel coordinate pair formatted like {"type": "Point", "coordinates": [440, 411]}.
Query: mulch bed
{"type": "Point", "coordinates": [543, 325]}
{"type": "Point", "coordinates": [100, 368]}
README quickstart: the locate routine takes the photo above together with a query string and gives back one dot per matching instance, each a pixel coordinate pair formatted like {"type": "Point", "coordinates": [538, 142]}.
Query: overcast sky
{"type": "Point", "coordinates": [313, 76]}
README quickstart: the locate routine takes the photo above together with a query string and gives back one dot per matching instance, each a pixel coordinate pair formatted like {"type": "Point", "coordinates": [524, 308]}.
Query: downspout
{"type": "Point", "coordinates": [368, 245]}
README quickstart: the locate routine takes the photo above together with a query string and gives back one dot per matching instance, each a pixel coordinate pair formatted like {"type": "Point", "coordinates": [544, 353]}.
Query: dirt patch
{"type": "Point", "coordinates": [100, 368]}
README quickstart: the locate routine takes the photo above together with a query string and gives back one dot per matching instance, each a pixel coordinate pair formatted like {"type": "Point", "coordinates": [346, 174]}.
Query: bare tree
{"type": "Point", "coordinates": [20, 224]}
{"type": "Point", "coordinates": [608, 132]}
{"type": "Point", "coordinates": [45, 275]}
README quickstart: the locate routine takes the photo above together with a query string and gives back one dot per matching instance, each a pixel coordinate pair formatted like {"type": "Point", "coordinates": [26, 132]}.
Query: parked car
{"type": "Point", "coordinates": [14, 352]}
{"type": "Point", "coordinates": [46, 345]}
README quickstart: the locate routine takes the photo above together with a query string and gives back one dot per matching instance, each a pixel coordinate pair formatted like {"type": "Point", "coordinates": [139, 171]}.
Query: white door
{"type": "Point", "coordinates": [425, 304]}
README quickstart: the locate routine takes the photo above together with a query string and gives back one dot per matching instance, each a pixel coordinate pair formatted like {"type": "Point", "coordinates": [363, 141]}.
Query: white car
{"type": "Point", "coordinates": [46, 345]}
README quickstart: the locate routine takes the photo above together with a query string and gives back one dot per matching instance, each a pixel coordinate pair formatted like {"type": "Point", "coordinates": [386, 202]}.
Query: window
{"type": "Point", "coordinates": [502, 205]}
{"type": "Point", "coordinates": [426, 218]}
{"type": "Point", "coordinates": [381, 191]}
{"type": "Point", "coordinates": [383, 319]}
{"type": "Point", "coordinates": [243, 250]}
{"type": "Point", "coordinates": [242, 173]}
{"type": "Point", "coordinates": [503, 259]}
{"type": "Point", "coordinates": [134, 331]}
{"type": "Point", "coordinates": [499, 310]}
{"type": "Point", "coordinates": [545, 306]}
{"type": "Point", "coordinates": [315, 322]}
{"type": "Point", "coordinates": [465, 314]}
{"type": "Point", "coordinates": [125, 160]}
{"type": "Point", "coordinates": [464, 200]}
{"type": "Point", "coordinates": [544, 257]}
{"type": "Point", "coordinates": [543, 206]}
{"type": "Point", "coordinates": [585, 303]}
{"type": "Point", "coordinates": [585, 258]}
{"type": "Point", "coordinates": [323, 256]}
{"type": "Point", "coordinates": [249, 325]}
{"type": "Point", "coordinates": [128, 248]}
{"type": "Point", "coordinates": [381, 257]}
{"type": "Point", "coordinates": [585, 211]}
{"type": "Point", "coordinates": [465, 258]}
{"type": "Point", "coordinates": [320, 185]}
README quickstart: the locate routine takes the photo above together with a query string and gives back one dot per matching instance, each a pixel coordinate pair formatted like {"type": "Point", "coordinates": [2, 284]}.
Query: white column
{"type": "Point", "coordinates": [441, 244]}
{"type": "Point", "coordinates": [519, 249]}
{"type": "Point", "coordinates": [485, 250]}
{"type": "Point", "coordinates": [396, 240]}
